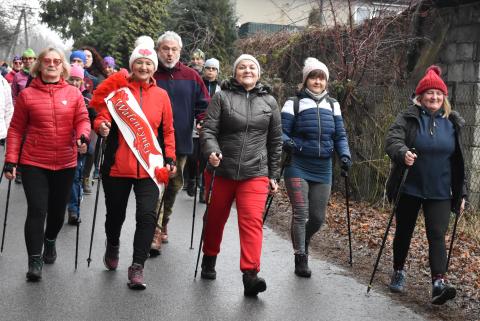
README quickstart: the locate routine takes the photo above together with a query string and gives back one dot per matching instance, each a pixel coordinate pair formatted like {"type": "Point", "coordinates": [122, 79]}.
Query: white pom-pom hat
{"type": "Point", "coordinates": [312, 64]}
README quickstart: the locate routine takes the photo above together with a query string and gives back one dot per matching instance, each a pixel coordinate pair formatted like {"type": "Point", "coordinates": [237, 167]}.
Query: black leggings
{"type": "Point", "coordinates": [47, 193]}
{"type": "Point", "coordinates": [437, 216]}
{"type": "Point", "coordinates": [117, 190]}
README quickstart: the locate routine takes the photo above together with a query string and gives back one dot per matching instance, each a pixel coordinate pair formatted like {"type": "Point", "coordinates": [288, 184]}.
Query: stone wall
{"type": "Point", "coordinates": [459, 57]}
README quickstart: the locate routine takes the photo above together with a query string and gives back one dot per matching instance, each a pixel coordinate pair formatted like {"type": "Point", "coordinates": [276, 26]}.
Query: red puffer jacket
{"type": "Point", "coordinates": [51, 117]}
{"type": "Point", "coordinates": [155, 104]}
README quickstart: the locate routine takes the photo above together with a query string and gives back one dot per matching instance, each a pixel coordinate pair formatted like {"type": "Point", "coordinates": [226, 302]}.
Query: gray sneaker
{"type": "Point", "coordinates": [397, 284]}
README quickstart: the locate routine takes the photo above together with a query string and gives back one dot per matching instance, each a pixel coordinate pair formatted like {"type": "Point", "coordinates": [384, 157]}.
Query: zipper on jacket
{"type": "Point", "coordinates": [244, 137]}
{"type": "Point", "coordinates": [319, 130]}
{"type": "Point", "coordinates": [141, 107]}
{"type": "Point", "coordinates": [55, 125]}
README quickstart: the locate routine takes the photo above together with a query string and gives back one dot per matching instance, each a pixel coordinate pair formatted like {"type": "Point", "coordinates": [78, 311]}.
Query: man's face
{"type": "Point", "coordinates": [210, 73]}
{"type": "Point", "coordinates": [169, 53]}
{"type": "Point", "coordinates": [17, 65]}
{"type": "Point", "coordinates": [77, 61]}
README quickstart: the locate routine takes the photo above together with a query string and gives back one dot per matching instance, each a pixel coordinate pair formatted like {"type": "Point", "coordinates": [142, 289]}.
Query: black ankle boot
{"type": "Point", "coordinates": [301, 266]}
{"type": "Point", "coordinates": [252, 284]}
{"type": "Point", "coordinates": [202, 195]}
{"type": "Point", "coordinates": [35, 265]}
{"type": "Point", "coordinates": [49, 251]}
{"type": "Point", "coordinates": [208, 267]}
{"type": "Point", "coordinates": [191, 187]}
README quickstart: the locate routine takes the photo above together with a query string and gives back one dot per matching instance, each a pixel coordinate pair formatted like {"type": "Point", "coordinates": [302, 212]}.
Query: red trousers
{"type": "Point", "coordinates": [250, 196]}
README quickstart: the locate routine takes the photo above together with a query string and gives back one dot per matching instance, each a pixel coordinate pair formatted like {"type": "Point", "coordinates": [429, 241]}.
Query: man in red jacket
{"type": "Point", "coordinates": [17, 65]}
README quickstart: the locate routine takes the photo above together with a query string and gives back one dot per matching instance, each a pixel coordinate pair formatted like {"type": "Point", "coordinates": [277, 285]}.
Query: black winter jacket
{"type": "Point", "coordinates": [400, 139]}
{"type": "Point", "coordinates": [245, 128]}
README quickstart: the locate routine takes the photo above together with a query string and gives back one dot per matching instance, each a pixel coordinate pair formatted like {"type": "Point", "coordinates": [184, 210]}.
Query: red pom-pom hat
{"type": "Point", "coordinates": [431, 80]}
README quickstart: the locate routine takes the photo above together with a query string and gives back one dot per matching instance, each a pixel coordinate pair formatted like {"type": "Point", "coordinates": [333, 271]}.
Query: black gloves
{"type": "Point", "coordinates": [8, 167]}
{"type": "Point", "coordinates": [170, 161]}
{"type": "Point", "coordinates": [289, 146]}
{"type": "Point", "coordinates": [345, 165]}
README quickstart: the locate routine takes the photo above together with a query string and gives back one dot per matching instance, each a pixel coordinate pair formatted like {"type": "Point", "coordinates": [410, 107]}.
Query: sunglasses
{"type": "Point", "coordinates": [17, 62]}
{"type": "Point", "coordinates": [210, 68]}
{"type": "Point", "coordinates": [28, 58]}
{"type": "Point", "coordinates": [49, 61]}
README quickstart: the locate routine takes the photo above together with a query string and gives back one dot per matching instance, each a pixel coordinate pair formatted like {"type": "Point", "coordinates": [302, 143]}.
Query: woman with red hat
{"type": "Point", "coordinates": [426, 139]}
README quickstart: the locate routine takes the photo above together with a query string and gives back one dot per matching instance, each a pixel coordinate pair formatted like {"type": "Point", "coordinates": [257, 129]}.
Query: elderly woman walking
{"type": "Point", "coordinates": [242, 138]}
{"type": "Point", "coordinates": [435, 181]}
{"type": "Point", "coordinates": [52, 116]}
{"type": "Point", "coordinates": [137, 112]}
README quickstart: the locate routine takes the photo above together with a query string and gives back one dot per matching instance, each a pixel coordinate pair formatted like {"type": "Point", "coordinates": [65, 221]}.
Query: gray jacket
{"type": "Point", "coordinates": [245, 128]}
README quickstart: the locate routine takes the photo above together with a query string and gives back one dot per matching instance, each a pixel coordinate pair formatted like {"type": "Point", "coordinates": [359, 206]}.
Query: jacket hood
{"type": "Point", "coordinates": [233, 85]}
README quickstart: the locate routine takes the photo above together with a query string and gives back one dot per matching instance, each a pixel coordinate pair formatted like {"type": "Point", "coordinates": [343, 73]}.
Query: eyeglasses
{"type": "Point", "coordinates": [17, 62]}
{"type": "Point", "coordinates": [210, 68]}
{"type": "Point", "coordinates": [48, 61]}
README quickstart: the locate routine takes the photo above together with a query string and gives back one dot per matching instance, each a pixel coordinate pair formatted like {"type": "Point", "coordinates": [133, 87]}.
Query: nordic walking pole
{"type": "Point", "coordinates": [99, 163]}
{"type": "Point", "coordinates": [395, 205]}
{"type": "Point", "coordinates": [6, 213]}
{"type": "Point", "coordinates": [453, 238]}
{"type": "Point", "coordinates": [345, 174]}
{"type": "Point", "coordinates": [83, 140]}
{"type": "Point", "coordinates": [270, 196]}
{"type": "Point", "coordinates": [205, 216]}
{"type": "Point", "coordinates": [197, 174]}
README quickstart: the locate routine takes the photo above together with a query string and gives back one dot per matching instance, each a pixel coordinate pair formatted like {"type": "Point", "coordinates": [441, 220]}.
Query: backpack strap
{"type": "Point", "coordinates": [296, 104]}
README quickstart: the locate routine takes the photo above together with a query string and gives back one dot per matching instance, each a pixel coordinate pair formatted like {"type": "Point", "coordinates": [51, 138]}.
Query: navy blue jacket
{"type": "Point", "coordinates": [316, 130]}
{"type": "Point", "coordinates": [189, 99]}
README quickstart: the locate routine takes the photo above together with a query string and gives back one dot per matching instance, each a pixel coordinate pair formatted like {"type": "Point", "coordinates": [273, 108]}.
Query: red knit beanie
{"type": "Point", "coordinates": [431, 80]}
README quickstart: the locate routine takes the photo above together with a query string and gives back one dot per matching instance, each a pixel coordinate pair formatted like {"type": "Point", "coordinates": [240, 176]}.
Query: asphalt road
{"type": "Point", "coordinates": [172, 294]}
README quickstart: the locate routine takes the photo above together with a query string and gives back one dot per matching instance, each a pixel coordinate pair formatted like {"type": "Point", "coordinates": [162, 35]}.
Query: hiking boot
{"type": "Point", "coordinates": [135, 277]}
{"type": "Point", "coordinates": [442, 292]}
{"type": "Point", "coordinates": [87, 186]}
{"type": "Point", "coordinates": [73, 218]}
{"type": "Point", "coordinates": [164, 234]}
{"type": "Point", "coordinates": [35, 265]}
{"type": "Point", "coordinates": [191, 188]}
{"type": "Point", "coordinates": [156, 243]}
{"type": "Point", "coordinates": [202, 196]}
{"type": "Point", "coordinates": [110, 259]}
{"type": "Point", "coordinates": [301, 266]}
{"type": "Point", "coordinates": [49, 251]}
{"type": "Point", "coordinates": [208, 267]}
{"type": "Point", "coordinates": [397, 283]}
{"type": "Point", "coordinates": [252, 284]}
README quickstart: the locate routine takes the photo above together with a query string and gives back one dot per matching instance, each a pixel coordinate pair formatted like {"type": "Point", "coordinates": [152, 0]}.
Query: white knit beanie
{"type": "Point", "coordinates": [312, 64]}
{"type": "Point", "coordinates": [146, 40]}
{"type": "Point", "coordinates": [212, 62]}
{"type": "Point", "coordinates": [144, 51]}
{"type": "Point", "coordinates": [245, 57]}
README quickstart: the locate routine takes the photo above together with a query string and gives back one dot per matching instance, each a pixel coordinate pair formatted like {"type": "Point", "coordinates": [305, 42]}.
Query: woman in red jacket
{"type": "Point", "coordinates": [131, 112]}
{"type": "Point", "coordinates": [52, 116]}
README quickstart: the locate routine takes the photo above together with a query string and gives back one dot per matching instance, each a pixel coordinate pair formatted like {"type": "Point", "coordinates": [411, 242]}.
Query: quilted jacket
{"type": "Point", "coordinates": [51, 117]}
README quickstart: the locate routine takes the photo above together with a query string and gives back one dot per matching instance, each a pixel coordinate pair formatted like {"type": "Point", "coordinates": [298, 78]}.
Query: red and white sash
{"type": "Point", "coordinates": [138, 134]}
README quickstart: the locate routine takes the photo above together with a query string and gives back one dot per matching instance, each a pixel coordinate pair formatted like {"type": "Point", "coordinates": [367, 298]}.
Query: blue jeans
{"type": "Point", "coordinates": [76, 193]}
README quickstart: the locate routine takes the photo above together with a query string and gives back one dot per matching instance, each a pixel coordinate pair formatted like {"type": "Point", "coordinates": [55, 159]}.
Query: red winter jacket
{"type": "Point", "coordinates": [51, 117]}
{"type": "Point", "coordinates": [155, 104]}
